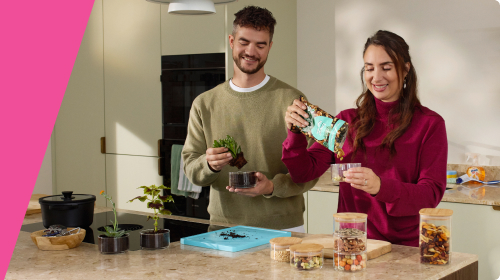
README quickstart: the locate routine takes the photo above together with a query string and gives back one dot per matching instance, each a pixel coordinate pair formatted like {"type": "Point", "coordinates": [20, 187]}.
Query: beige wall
{"type": "Point", "coordinates": [316, 52]}
{"type": "Point", "coordinates": [454, 46]}
{"type": "Point", "coordinates": [187, 34]}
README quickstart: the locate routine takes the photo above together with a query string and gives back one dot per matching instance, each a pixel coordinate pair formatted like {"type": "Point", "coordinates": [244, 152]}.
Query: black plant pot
{"type": "Point", "coordinates": [151, 240]}
{"type": "Point", "coordinates": [113, 245]}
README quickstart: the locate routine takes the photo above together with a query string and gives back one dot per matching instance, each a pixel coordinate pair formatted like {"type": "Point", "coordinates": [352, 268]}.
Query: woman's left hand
{"type": "Point", "coordinates": [364, 179]}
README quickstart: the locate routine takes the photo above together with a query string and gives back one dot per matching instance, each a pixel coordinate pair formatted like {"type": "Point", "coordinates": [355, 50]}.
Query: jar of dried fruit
{"type": "Point", "coordinates": [349, 241]}
{"type": "Point", "coordinates": [280, 247]}
{"type": "Point", "coordinates": [435, 236]}
{"type": "Point", "coordinates": [306, 256]}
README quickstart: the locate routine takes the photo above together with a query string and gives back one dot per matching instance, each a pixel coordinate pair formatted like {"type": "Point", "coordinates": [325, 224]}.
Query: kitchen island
{"type": "Point", "coordinates": [474, 208]}
{"type": "Point", "coordinates": [188, 262]}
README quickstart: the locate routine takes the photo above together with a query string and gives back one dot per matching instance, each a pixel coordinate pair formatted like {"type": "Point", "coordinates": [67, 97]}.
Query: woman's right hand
{"type": "Point", "coordinates": [294, 113]}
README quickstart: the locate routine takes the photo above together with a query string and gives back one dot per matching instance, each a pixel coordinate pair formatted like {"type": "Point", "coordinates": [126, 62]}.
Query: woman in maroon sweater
{"type": "Point", "coordinates": [401, 145]}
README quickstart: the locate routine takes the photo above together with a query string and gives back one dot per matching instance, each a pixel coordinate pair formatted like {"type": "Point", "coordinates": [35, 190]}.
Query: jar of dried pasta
{"type": "Point", "coordinates": [307, 256]}
{"type": "Point", "coordinates": [350, 242]}
{"type": "Point", "coordinates": [280, 247]}
{"type": "Point", "coordinates": [435, 236]}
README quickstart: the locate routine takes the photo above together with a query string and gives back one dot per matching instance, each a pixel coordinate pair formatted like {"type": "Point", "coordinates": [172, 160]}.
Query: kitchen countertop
{"type": "Point", "coordinates": [472, 194]}
{"type": "Point", "coordinates": [188, 262]}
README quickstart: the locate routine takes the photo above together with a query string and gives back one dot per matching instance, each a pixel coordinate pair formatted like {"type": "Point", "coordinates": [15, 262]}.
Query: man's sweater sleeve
{"type": "Point", "coordinates": [304, 165]}
{"type": "Point", "coordinates": [403, 199]}
{"type": "Point", "coordinates": [194, 152]}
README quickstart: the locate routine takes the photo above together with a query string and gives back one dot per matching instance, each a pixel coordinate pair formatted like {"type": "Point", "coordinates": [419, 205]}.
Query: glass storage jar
{"type": "Point", "coordinates": [349, 242]}
{"type": "Point", "coordinates": [435, 236]}
{"type": "Point", "coordinates": [280, 247]}
{"type": "Point", "coordinates": [307, 256]}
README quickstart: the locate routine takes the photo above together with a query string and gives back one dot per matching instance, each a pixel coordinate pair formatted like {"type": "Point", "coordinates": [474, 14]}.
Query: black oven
{"type": "Point", "coordinates": [183, 78]}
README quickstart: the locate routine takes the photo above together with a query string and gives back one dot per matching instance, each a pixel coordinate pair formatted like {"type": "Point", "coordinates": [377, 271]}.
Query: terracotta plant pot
{"type": "Point", "coordinates": [151, 240]}
{"type": "Point", "coordinates": [113, 245]}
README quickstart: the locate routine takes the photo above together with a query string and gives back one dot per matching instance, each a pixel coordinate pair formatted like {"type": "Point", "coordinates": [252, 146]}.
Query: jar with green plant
{"type": "Point", "coordinates": [113, 239]}
{"type": "Point", "coordinates": [155, 238]}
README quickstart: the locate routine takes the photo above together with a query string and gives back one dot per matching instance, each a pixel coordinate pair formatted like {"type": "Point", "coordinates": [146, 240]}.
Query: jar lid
{"type": "Point", "coordinates": [285, 241]}
{"type": "Point", "coordinates": [306, 248]}
{"type": "Point", "coordinates": [67, 197]}
{"type": "Point", "coordinates": [436, 212]}
{"type": "Point", "coordinates": [349, 216]}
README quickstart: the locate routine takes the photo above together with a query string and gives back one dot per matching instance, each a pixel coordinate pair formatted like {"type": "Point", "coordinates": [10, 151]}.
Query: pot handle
{"type": "Point", "coordinates": [63, 207]}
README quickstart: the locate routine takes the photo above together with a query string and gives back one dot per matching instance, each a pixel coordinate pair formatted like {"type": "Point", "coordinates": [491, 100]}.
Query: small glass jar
{"type": "Point", "coordinates": [435, 236]}
{"type": "Point", "coordinates": [307, 256]}
{"type": "Point", "coordinates": [280, 247]}
{"type": "Point", "coordinates": [338, 170]}
{"type": "Point", "coordinates": [350, 242]}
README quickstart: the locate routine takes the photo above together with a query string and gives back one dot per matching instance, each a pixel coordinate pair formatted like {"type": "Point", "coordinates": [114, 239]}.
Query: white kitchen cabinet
{"type": "Point", "coordinates": [181, 34]}
{"type": "Point", "coordinates": [78, 164]}
{"type": "Point", "coordinates": [124, 174]}
{"type": "Point", "coordinates": [132, 69]}
{"type": "Point", "coordinates": [320, 209]}
{"type": "Point", "coordinates": [305, 212]}
{"type": "Point", "coordinates": [475, 230]}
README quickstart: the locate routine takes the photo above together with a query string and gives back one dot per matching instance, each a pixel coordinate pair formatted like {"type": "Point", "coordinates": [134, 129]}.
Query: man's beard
{"type": "Point", "coordinates": [237, 60]}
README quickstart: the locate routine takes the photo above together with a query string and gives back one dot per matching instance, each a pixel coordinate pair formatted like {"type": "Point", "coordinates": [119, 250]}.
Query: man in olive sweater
{"type": "Point", "coordinates": [250, 107]}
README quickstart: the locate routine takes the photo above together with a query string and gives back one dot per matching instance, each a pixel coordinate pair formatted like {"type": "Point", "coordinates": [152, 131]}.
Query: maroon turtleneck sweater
{"type": "Point", "coordinates": [413, 179]}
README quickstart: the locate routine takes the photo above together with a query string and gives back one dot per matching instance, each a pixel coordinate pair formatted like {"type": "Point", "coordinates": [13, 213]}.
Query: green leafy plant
{"type": "Point", "coordinates": [155, 201]}
{"type": "Point", "coordinates": [230, 144]}
{"type": "Point", "coordinates": [235, 150]}
{"type": "Point", "coordinates": [114, 231]}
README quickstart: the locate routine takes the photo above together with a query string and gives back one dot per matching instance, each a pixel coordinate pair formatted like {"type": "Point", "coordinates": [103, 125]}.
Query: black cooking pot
{"type": "Point", "coordinates": [71, 210]}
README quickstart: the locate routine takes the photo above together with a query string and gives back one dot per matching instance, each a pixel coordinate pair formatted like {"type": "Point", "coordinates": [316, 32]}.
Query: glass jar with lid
{"type": "Point", "coordinates": [435, 236]}
{"type": "Point", "coordinates": [280, 247]}
{"type": "Point", "coordinates": [308, 256]}
{"type": "Point", "coordinates": [349, 241]}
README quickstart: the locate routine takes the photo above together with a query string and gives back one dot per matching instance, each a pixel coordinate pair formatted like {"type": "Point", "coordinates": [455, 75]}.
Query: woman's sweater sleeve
{"type": "Point", "coordinates": [404, 199]}
{"type": "Point", "coordinates": [305, 164]}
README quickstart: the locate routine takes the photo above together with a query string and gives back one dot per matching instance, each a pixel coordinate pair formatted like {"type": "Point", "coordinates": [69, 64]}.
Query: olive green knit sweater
{"type": "Point", "coordinates": [256, 120]}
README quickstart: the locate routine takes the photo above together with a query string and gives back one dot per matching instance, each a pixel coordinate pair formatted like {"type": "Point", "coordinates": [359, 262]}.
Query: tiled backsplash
{"type": "Point", "coordinates": [492, 172]}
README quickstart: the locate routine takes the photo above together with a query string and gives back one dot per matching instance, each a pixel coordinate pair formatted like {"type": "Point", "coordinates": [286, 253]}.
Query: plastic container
{"type": "Point", "coordinates": [306, 256]}
{"type": "Point", "coordinates": [350, 242]}
{"type": "Point", "coordinates": [475, 171]}
{"type": "Point", "coordinates": [435, 236]}
{"type": "Point", "coordinates": [337, 170]}
{"type": "Point", "coordinates": [451, 176]}
{"type": "Point", "coordinates": [242, 180]}
{"type": "Point", "coordinates": [280, 247]}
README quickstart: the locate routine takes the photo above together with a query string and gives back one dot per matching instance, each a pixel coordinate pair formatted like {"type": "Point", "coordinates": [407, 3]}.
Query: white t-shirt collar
{"type": "Point", "coordinates": [250, 89]}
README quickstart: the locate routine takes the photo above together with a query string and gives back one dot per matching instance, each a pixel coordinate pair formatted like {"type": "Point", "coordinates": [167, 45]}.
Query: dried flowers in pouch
{"type": "Point", "coordinates": [326, 129]}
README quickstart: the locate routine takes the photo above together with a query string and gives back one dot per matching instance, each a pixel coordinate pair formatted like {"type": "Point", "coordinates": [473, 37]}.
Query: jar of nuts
{"type": "Point", "coordinates": [306, 256]}
{"type": "Point", "coordinates": [280, 247]}
{"type": "Point", "coordinates": [435, 236]}
{"type": "Point", "coordinates": [349, 242]}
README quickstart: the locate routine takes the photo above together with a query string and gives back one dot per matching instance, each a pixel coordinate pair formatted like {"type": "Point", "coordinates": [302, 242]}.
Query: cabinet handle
{"type": "Point", "coordinates": [161, 166]}
{"type": "Point", "coordinates": [160, 142]}
{"type": "Point", "coordinates": [103, 145]}
{"type": "Point", "coordinates": [496, 208]}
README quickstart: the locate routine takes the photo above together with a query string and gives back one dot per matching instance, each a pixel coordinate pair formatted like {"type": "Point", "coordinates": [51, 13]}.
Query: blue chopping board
{"type": "Point", "coordinates": [222, 239]}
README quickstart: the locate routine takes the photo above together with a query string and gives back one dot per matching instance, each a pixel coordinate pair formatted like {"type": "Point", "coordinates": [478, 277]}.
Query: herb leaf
{"type": "Point", "coordinates": [230, 144]}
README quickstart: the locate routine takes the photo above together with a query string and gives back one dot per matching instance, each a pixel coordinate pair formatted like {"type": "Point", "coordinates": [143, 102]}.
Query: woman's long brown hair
{"type": "Point", "coordinates": [400, 116]}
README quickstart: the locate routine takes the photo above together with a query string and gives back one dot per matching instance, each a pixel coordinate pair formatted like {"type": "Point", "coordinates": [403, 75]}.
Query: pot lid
{"type": "Point", "coordinates": [67, 197]}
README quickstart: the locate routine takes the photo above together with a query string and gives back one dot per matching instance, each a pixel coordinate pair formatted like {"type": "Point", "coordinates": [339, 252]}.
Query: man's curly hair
{"type": "Point", "coordinates": [255, 17]}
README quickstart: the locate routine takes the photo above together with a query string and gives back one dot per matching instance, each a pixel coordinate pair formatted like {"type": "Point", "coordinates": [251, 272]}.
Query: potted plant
{"type": "Point", "coordinates": [155, 238]}
{"type": "Point", "coordinates": [113, 240]}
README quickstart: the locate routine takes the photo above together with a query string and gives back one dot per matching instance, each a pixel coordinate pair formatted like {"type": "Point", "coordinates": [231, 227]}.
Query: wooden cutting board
{"type": "Point", "coordinates": [34, 205]}
{"type": "Point", "coordinates": [376, 248]}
